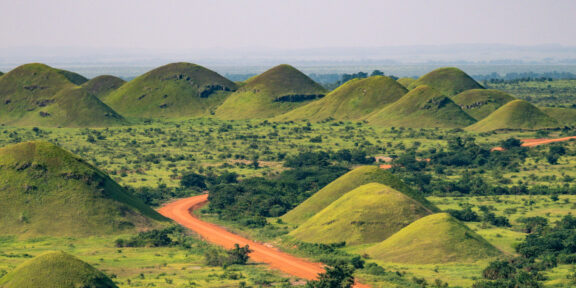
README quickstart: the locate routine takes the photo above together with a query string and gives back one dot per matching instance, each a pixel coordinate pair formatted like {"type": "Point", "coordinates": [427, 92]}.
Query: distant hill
{"type": "Point", "coordinates": [39, 95]}
{"type": "Point", "coordinates": [270, 94]}
{"type": "Point", "coordinates": [479, 103]}
{"type": "Point", "coordinates": [448, 81]}
{"type": "Point", "coordinates": [353, 100]}
{"type": "Point", "coordinates": [434, 239]}
{"type": "Point", "coordinates": [422, 107]}
{"type": "Point", "coordinates": [347, 182]}
{"type": "Point", "coordinates": [56, 269]}
{"type": "Point", "coordinates": [171, 91]}
{"type": "Point", "coordinates": [367, 214]}
{"type": "Point", "coordinates": [406, 82]}
{"type": "Point", "coordinates": [517, 114]}
{"type": "Point", "coordinates": [103, 85]}
{"type": "Point", "coordinates": [565, 116]}
{"type": "Point", "coordinates": [49, 191]}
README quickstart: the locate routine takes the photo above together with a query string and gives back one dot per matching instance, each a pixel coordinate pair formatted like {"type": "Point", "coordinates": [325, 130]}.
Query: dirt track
{"type": "Point", "coordinates": [180, 211]}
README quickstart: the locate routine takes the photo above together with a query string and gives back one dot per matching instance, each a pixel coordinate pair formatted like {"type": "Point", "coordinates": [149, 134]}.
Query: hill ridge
{"type": "Point", "coordinates": [449, 81]}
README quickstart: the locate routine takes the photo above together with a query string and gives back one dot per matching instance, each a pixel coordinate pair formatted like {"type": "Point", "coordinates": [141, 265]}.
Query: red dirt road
{"type": "Point", "coordinates": [180, 211]}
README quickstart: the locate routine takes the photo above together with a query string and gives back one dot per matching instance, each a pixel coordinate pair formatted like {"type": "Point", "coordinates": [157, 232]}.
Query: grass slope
{"type": "Point", "coordinates": [367, 214]}
{"type": "Point", "coordinates": [172, 91]}
{"type": "Point", "coordinates": [46, 190]}
{"type": "Point", "coordinates": [270, 94]}
{"type": "Point", "coordinates": [56, 269]}
{"type": "Point", "coordinates": [435, 239]}
{"type": "Point", "coordinates": [352, 101]}
{"type": "Point", "coordinates": [517, 114]}
{"type": "Point", "coordinates": [103, 85]}
{"type": "Point", "coordinates": [566, 116]}
{"type": "Point", "coordinates": [479, 103]}
{"type": "Point", "coordinates": [422, 107]}
{"type": "Point", "coordinates": [449, 81]}
{"type": "Point", "coordinates": [406, 82]}
{"type": "Point", "coordinates": [347, 182]}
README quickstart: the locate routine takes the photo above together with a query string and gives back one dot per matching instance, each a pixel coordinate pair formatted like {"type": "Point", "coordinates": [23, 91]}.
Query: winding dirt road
{"type": "Point", "coordinates": [181, 212]}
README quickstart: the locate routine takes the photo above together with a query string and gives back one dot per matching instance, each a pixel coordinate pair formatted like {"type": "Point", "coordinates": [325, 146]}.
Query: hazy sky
{"type": "Point", "coordinates": [177, 24]}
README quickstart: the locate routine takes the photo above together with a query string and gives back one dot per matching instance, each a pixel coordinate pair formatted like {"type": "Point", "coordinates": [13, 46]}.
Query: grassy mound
{"type": "Point", "coordinates": [367, 214]}
{"type": "Point", "coordinates": [271, 93]}
{"type": "Point", "coordinates": [565, 116]}
{"type": "Point", "coordinates": [73, 107]}
{"type": "Point", "coordinates": [39, 95]}
{"type": "Point", "coordinates": [517, 114]}
{"type": "Point", "coordinates": [171, 91]}
{"type": "Point", "coordinates": [449, 81]}
{"type": "Point", "coordinates": [56, 269]}
{"type": "Point", "coordinates": [49, 191]}
{"type": "Point", "coordinates": [435, 239]}
{"type": "Point", "coordinates": [479, 103]}
{"type": "Point", "coordinates": [422, 107]}
{"type": "Point", "coordinates": [406, 82]}
{"type": "Point", "coordinates": [103, 85]}
{"type": "Point", "coordinates": [352, 101]}
{"type": "Point", "coordinates": [347, 182]}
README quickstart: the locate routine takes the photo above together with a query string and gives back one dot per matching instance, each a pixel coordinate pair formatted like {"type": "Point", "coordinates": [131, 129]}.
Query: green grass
{"type": "Point", "coordinates": [406, 82]}
{"type": "Point", "coordinates": [103, 85]}
{"type": "Point", "coordinates": [434, 239]}
{"type": "Point", "coordinates": [269, 94]}
{"type": "Point", "coordinates": [341, 186]}
{"type": "Point", "coordinates": [422, 107]}
{"type": "Point", "coordinates": [56, 269]}
{"type": "Point", "coordinates": [354, 100]}
{"type": "Point", "coordinates": [480, 103]}
{"type": "Point", "coordinates": [49, 191]}
{"type": "Point", "coordinates": [171, 91]}
{"type": "Point", "coordinates": [367, 214]}
{"type": "Point", "coordinates": [517, 114]}
{"type": "Point", "coordinates": [565, 116]}
{"type": "Point", "coordinates": [449, 81]}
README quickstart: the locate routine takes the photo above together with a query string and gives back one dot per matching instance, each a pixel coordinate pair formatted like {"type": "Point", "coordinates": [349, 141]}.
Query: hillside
{"type": "Point", "coordinates": [448, 81]}
{"type": "Point", "coordinates": [352, 101]}
{"type": "Point", "coordinates": [270, 94]}
{"type": "Point", "coordinates": [56, 269]}
{"type": "Point", "coordinates": [103, 85]}
{"type": "Point", "coordinates": [49, 191]}
{"type": "Point", "coordinates": [435, 239]}
{"type": "Point", "coordinates": [565, 116]}
{"type": "Point", "coordinates": [517, 114]}
{"type": "Point", "coordinates": [422, 107]}
{"type": "Point", "coordinates": [171, 91]}
{"type": "Point", "coordinates": [367, 214]}
{"type": "Point", "coordinates": [406, 82]}
{"type": "Point", "coordinates": [479, 103]}
{"type": "Point", "coordinates": [347, 182]}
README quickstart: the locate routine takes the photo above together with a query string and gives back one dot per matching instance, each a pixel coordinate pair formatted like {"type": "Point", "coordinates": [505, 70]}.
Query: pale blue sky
{"type": "Point", "coordinates": [177, 24]}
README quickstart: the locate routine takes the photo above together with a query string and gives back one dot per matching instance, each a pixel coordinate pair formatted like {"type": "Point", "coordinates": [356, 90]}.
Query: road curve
{"type": "Point", "coordinates": [180, 211]}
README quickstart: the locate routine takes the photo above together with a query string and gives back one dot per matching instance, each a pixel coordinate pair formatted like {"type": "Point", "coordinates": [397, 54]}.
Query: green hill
{"type": "Point", "coordinates": [46, 190]}
{"type": "Point", "coordinates": [39, 95]}
{"type": "Point", "coordinates": [172, 91]}
{"type": "Point", "coordinates": [422, 107]}
{"type": "Point", "coordinates": [270, 94]}
{"type": "Point", "coordinates": [435, 239]}
{"type": "Point", "coordinates": [479, 103]}
{"type": "Point", "coordinates": [406, 82]}
{"type": "Point", "coordinates": [103, 85]}
{"type": "Point", "coordinates": [566, 116]}
{"type": "Point", "coordinates": [449, 81]}
{"type": "Point", "coordinates": [347, 182]}
{"type": "Point", "coordinates": [56, 269]}
{"type": "Point", "coordinates": [517, 114]}
{"type": "Point", "coordinates": [367, 214]}
{"type": "Point", "coordinates": [352, 101]}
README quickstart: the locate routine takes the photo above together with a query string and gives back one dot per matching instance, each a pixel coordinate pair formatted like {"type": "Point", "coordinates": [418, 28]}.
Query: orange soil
{"type": "Point", "coordinates": [180, 211]}
{"type": "Point", "coordinates": [536, 142]}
